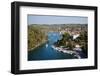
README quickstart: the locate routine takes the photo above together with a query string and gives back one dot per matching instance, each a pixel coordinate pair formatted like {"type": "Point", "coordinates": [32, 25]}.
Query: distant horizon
{"type": "Point", "coordinates": [50, 20]}
{"type": "Point", "coordinates": [53, 24]}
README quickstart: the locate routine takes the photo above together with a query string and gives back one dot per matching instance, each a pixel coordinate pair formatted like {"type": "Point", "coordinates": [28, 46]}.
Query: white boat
{"type": "Point", "coordinates": [46, 45]}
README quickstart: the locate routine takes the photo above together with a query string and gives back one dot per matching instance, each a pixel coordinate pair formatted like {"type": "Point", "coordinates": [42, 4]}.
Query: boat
{"type": "Point", "coordinates": [46, 45]}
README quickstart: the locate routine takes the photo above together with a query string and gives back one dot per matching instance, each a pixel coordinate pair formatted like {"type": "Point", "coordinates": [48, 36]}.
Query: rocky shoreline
{"type": "Point", "coordinates": [60, 49]}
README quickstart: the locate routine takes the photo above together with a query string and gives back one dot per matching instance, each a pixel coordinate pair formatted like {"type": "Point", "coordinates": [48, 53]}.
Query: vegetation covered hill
{"type": "Point", "coordinates": [35, 37]}
{"type": "Point", "coordinates": [67, 41]}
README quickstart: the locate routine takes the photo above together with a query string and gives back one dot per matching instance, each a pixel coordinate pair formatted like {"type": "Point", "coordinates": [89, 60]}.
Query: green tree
{"type": "Point", "coordinates": [70, 44]}
{"type": "Point", "coordinates": [66, 36]}
{"type": "Point", "coordinates": [83, 41]}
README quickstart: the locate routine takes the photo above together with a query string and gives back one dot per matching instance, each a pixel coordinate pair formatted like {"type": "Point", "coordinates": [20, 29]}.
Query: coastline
{"type": "Point", "coordinates": [67, 51]}
{"type": "Point", "coordinates": [38, 45]}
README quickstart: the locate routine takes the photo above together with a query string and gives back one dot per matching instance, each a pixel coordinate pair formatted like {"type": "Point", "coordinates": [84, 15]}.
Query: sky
{"type": "Point", "coordinates": [47, 19]}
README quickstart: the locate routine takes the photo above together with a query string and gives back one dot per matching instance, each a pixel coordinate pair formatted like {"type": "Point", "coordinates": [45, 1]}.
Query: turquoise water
{"type": "Point", "coordinates": [46, 52]}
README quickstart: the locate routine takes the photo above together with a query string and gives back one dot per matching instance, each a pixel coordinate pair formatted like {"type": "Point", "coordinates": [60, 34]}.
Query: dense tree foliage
{"type": "Point", "coordinates": [83, 41]}
{"type": "Point", "coordinates": [68, 41]}
{"type": "Point", "coordinates": [35, 37]}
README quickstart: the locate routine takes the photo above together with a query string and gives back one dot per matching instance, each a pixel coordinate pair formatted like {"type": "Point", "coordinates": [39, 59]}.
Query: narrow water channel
{"type": "Point", "coordinates": [46, 52]}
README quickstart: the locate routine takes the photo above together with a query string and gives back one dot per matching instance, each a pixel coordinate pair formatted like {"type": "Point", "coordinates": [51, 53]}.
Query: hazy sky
{"type": "Point", "coordinates": [47, 19]}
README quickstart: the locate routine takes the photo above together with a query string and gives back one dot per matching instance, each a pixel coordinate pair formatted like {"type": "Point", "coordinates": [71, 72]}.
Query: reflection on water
{"type": "Point", "coordinates": [46, 52]}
